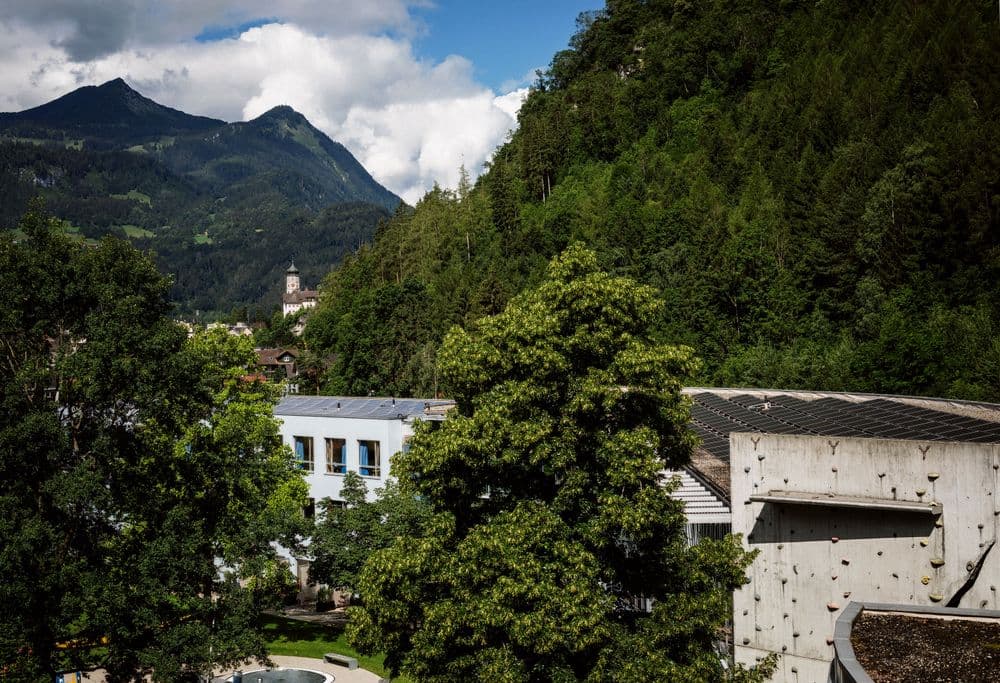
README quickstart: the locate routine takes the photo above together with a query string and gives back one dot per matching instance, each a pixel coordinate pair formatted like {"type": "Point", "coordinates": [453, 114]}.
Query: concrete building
{"type": "Point", "coordinates": [851, 498]}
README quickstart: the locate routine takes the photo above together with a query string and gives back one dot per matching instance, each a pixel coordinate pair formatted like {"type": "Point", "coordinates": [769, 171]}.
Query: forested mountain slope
{"type": "Point", "coordinates": [813, 187]}
{"type": "Point", "coordinates": [224, 205]}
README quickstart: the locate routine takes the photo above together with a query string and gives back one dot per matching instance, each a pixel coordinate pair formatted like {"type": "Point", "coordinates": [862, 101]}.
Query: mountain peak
{"type": "Point", "coordinates": [116, 84]}
{"type": "Point", "coordinates": [113, 109]}
{"type": "Point", "coordinates": [282, 112]}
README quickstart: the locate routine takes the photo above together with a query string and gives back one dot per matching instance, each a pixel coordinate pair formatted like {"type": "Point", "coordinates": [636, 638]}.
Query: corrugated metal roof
{"type": "Point", "coordinates": [716, 413]}
{"type": "Point", "coordinates": [377, 408]}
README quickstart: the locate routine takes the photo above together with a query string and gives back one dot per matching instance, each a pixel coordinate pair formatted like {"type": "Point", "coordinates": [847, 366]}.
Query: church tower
{"type": "Point", "coordinates": [291, 280]}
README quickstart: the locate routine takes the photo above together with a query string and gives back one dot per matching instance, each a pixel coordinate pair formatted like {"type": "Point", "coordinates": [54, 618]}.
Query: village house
{"type": "Point", "coordinates": [279, 364]}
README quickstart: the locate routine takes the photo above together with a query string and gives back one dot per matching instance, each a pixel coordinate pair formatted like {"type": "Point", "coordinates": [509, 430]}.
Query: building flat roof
{"type": "Point", "coordinates": [365, 408]}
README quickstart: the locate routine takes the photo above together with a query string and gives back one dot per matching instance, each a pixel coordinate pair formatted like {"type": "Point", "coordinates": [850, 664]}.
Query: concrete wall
{"type": "Point", "coordinates": [814, 560]}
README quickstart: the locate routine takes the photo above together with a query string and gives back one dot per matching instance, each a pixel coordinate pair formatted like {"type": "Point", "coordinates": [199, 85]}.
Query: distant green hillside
{"type": "Point", "coordinates": [225, 206]}
{"type": "Point", "coordinates": [814, 187]}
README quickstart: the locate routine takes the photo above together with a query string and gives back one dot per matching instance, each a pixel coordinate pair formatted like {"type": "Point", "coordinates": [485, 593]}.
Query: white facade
{"type": "Point", "coordinates": [837, 520]}
{"type": "Point", "coordinates": [295, 299]}
{"type": "Point", "coordinates": [707, 514]}
{"type": "Point", "coordinates": [334, 435]}
{"type": "Point", "coordinates": [347, 434]}
{"type": "Point", "coordinates": [325, 471]}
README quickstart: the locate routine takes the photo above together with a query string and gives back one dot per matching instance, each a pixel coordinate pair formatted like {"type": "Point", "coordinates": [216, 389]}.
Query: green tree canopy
{"type": "Point", "coordinates": [346, 536]}
{"type": "Point", "coordinates": [553, 528]}
{"type": "Point", "coordinates": [134, 463]}
{"type": "Point", "coordinates": [811, 185]}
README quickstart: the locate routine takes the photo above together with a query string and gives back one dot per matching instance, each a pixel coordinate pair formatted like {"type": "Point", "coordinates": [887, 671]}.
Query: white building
{"type": "Point", "coordinates": [295, 298]}
{"type": "Point", "coordinates": [334, 435]}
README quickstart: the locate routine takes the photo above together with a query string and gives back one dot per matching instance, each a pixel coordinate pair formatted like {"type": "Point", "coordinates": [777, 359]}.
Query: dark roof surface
{"type": "Point", "coordinates": [273, 356]}
{"type": "Point", "coordinates": [379, 408]}
{"type": "Point", "coordinates": [715, 413]}
{"type": "Point", "coordinates": [299, 296]}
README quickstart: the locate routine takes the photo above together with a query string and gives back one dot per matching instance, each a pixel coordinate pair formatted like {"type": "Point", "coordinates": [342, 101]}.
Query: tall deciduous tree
{"type": "Point", "coordinates": [347, 536]}
{"type": "Point", "coordinates": [141, 474]}
{"type": "Point", "coordinates": [553, 530]}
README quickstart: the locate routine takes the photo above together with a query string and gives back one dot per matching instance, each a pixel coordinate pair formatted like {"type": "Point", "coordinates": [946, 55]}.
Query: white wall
{"type": "Point", "coordinates": [389, 434]}
{"type": "Point", "coordinates": [814, 560]}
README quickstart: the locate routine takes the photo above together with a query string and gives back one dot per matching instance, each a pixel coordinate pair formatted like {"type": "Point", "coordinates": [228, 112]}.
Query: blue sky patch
{"type": "Point", "coordinates": [505, 41]}
{"type": "Point", "coordinates": [211, 34]}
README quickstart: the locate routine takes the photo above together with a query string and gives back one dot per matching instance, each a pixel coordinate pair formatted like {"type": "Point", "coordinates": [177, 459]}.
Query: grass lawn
{"type": "Point", "coordinates": [136, 231]}
{"type": "Point", "coordinates": [303, 639]}
{"type": "Point", "coordinates": [135, 195]}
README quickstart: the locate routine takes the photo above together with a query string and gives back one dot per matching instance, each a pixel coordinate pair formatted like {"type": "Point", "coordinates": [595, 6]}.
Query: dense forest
{"type": "Point", "coordinates": [224, 206]}
{"type": "Point", "coordinates": [813, 188]}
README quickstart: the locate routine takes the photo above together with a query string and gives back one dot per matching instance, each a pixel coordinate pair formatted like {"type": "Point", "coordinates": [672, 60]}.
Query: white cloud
{"type": "Point", "coordinates": [89, 29]}
{"type": "Point", "coordinates": [409, 122]}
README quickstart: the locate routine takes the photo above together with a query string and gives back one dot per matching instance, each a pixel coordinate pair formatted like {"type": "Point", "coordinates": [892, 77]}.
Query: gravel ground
{"type": "Point", "coordinates": [894, 648]}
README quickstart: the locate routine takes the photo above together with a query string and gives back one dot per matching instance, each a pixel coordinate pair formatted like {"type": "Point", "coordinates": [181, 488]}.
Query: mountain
{"type": "Point", "coordinates": [812, 187]}
{"type": "Point", "coordinates": [225, 206]}
{"type": "Point", "coordinates": [113, 113]}
{"type": "Point", "coordinates": [279, 150]}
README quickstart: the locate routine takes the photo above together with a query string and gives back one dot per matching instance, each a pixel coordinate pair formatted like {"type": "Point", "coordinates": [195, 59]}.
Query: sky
{"type": "Point", "coordinates": [414, 88]}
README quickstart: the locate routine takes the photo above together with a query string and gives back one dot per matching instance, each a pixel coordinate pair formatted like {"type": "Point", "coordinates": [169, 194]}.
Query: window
{"type": "Point", "coordinates": [304, 452]}
{"type": "Point", "coordinates": [336, 456]}
{"type": "Point", "coordinates": [368, 459]}
{"type": "Point", "coordinates": [309, 511]}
